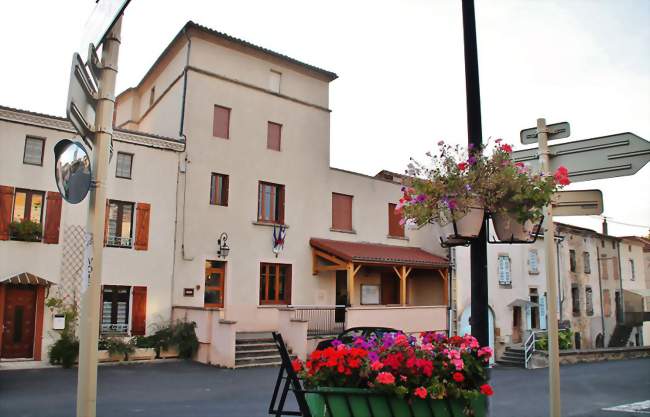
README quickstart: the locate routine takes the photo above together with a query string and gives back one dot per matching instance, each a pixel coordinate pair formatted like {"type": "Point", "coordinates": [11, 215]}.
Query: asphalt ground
{"type": "Point", "coordinates": [190, 389]}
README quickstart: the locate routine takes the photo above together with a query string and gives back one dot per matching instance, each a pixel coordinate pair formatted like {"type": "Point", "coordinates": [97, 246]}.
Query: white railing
{"type": "Point", "coordinates": [121, 242]}
{"type": "Point", "coordinates": [115, 327]}
{"type": "Point", "coordinates": [322, 320]}
{"type": "Point", "coordinates": [529, 348]}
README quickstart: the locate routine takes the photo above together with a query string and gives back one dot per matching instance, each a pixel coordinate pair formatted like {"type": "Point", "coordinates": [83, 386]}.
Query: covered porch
{"type": "Point", "coordinates": [384, 285]}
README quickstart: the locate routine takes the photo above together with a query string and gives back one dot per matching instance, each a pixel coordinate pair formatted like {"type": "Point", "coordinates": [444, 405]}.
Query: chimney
{"type": "Point", "coordinates": [605, 226]}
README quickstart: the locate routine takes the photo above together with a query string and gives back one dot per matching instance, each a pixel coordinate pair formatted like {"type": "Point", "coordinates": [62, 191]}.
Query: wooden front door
{"type": "Point", "coordinates": [215, 277]}
{"type": "Point", "coordinates": [18, 322]}
{"type": "Point", "coordinates": [516, 324]}
{"type": "Point", "coordinates": [389, 288]}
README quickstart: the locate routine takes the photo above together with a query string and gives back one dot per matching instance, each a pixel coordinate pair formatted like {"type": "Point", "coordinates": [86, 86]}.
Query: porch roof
{"type": "Point", "coordinates": [380, 254]}
{"type": "Point", "coordinates": [25, 278]}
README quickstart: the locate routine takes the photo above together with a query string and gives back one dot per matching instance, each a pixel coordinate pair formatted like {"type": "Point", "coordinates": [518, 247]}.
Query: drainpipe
{"type": "Point", "coordinates": [600, 290]}
{"type": "Point", "coordinates": [620, 284]}
{"type": "Point", "coordinates": [559, 239]}
{"type": "Point", "coordinates": [186, 162]}
{"type": "Point", "coordinates": [450, 274]}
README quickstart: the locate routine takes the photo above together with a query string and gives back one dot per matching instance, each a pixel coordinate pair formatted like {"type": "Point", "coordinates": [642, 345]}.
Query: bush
{"type": "Point", "coordinates": [179, 334]}
{"type": "Point", "coordinates": [116, 346]}
{"type": "Point", "coordinates": [64, 351]}
{"type": "Point", "coordinates": [565, 339]}
{"type": "Point", "coordinates": [143, 342]}
{"type": "Point", "coordinates": [26, 230]}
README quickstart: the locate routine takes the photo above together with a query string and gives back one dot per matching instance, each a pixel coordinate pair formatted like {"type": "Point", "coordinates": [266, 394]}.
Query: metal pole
{"type": "Point", "coordinates": [551, 282]}
{"type": "Point", "coordinates": [478, 250]}
{"type": "Point", "coordinates": [89, 317]}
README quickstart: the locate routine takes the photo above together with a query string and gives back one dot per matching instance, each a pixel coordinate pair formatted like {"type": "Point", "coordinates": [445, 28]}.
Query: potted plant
{"type": "Point", "coordinates": [176, 339]}
{"type": "Point", "coordinates": [398, 375]}
{"type": "Point", "coordinates": [514, 195]}
{"type": "Point", "coordinates": [26, 230]}
{"type": "Point", "coordinates": [444, 191]}
{"type": "Point", "coordinates": [144, 348]}
{"type": "Point", "coordinates": [113, 349]}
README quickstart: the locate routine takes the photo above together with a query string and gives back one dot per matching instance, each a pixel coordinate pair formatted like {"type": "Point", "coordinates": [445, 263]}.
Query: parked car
{"type": "Point", "coordinates": [348, 336]}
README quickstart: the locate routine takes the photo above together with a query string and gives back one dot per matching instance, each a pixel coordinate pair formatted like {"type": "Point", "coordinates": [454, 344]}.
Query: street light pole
{"type": "Point", "coordinates": [91, 289]}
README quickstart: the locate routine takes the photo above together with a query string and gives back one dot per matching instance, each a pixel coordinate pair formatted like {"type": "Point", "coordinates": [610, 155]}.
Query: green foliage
{"type": "Point", "coordinates": [70, 311]}
{"type": "Point", "coordinates": [64, 351]}
{"type": "Point", "coordinates": [144, 342]}
{"type": "Point", "coordinates": [26, 230]}
{"type": "Point", "coordinates": [179, 334]}
{"type": "Point", "coordinates": [116, 346]}
{"type": "Point", "coordinates": [565, 338]}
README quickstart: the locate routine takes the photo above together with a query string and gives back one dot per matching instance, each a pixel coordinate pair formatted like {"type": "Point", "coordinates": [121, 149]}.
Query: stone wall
{"type": "Point", "coordinates": [568, 357]}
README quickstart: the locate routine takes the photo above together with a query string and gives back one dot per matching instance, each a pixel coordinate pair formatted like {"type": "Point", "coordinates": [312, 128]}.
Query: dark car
{"type": "Point", "coordinates": [348, 336]}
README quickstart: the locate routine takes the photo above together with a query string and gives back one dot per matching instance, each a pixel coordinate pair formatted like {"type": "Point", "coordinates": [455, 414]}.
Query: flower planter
{"type": "Point", "coordinates": [509, 229]}
{"type": "Point", "coordinates": [171, 352]}
{"type": "Point", "coordinates": [470, 224]}
{"type": "Point", "coordinates": [358, 402]}
{"type": "Point", "coordinates": [105, 356]}
{"type": "Point", "coordinates": [140, 354]}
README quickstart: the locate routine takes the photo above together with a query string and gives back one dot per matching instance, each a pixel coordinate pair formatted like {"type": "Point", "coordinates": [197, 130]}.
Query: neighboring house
{"type": "Point", "coordinates": [138, 258]}
{"type": "Point", "coordinates": [635, 252]}
{"type": "Point", "coordinates": [256, 165]}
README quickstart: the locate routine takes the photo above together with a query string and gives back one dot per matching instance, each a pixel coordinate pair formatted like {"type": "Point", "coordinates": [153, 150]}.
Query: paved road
{"type": "Point", "coordinates": [188, 389]}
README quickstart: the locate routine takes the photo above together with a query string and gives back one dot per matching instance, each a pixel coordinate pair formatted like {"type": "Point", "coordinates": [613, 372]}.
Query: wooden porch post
{"type": "Point", "coordinates": [350, 269]}
{"type": "Point", "coordinates": [444, 274]}
{"type": "Point", "coordinates": [403, 272]}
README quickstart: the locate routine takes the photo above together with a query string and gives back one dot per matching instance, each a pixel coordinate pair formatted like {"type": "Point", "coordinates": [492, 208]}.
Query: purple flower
{"type": "Point", "coordinates": [440, 143]}
{"type": "Point", "coordinates": [468, 187]}
{"type": "Point", "coordinates": [336, 343]}
{"type": "Point", "coordinates": [373, 356]}
{"type": "Point", "coordinates": [471, 160]}
{"type": "Point", "coordinates": [452, 204]}
{"type": "Point", "coordinates": [420, 198]}
{"type": "Point", "coordinates": [470, 146]}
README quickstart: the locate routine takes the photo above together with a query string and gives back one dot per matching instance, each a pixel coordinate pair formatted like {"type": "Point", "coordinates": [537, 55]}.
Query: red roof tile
{"type": "Point", "coordinates": [376, 253]}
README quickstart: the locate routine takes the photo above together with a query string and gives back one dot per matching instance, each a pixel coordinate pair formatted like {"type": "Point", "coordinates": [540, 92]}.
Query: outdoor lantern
{"type": "Point", "coordinates": [72, 170]}
{"type": "Point", "coordinates": [224, 249]}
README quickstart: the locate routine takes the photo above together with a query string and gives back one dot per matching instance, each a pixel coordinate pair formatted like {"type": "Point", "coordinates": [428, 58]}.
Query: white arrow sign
{"type": "Point", "coordinates": [555, 131]}
{"type": "Point", "coordinates": [578, 203]}
{"type": "Point", "coordinates": [82, 98]}
{"type": "Point", "coordinates": [597, 158]}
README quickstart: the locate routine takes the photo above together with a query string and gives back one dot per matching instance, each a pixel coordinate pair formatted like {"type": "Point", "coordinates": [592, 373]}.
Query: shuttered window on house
{"type": "Point", "coordinates": [115, 309]}
{"type": "Point", "coordinates": [219, 190]}
{"type": "Point", "coordinates": [503, 262]}
{"type": "Point", "coordinates": [575, 299]}
{"type": "Point", "coordinates": [341, 212]}
{"type": "Point", "coordinates": [6, 205]}
{"type": "Point", "coordinates": [275, 79]}
{"type": "Point", "coordinates": [143, 214]}
{"type": "Point", "coordinates": [587, 262]}
{"type": "Point", "coordinates": [221, 122]}
{"type": "Point", "coordinates": [607, 303]}
{"type": "Point", "coordinates": [33, 151]}
{"type": "Point", "coordinates": [572, 260]}
{"type": "Point", "coordinates": [52, 227]}
{"type": "Point", "coordinates": [274, 136]}
{"type": "Point", "coordinates": [123, 165]}
{"type": "Point", "coordinates": [395, 229]}
{"type": "Point", "coordinates": [120, 224]}
{"type": "Point", "coordinates": [139, 311]}
{"type": "Point", "coordinates": [270, 203]}
{"type": "Point", "coordinates": [589, 301]}
{"type": "Point", "coordinates": [533, 262]}
{"type": "Point", "coordinates": [275, 283]}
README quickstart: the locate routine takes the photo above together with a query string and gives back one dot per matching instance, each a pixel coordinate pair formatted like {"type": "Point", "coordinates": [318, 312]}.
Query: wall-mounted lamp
{"type": "Point", "coordinates": [224, 249]}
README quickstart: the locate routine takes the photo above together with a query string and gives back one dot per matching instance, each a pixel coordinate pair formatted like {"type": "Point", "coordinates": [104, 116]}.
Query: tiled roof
{"type": "Point", "coordinates": [376, 253]}
{"type": "Point", "coordinates": [25, 278]}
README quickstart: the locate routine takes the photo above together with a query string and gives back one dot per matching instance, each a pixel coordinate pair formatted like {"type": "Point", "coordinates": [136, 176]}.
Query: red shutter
{"type": "Point", "coordinates": [139, 311]}
{"type": "Point", "coordinates": [52, 217]}
{"type": "Point", "coordinates": [273, 135]}
{"type": "Point", "coordinates": [280, 207]}
{"type": "Point", "coordinates": [6, 203]}
{"type": "Point", "coordinates": [341, 211]}
{"type": "Point", "coordinates": [224, 185]}
{"type": "Point", "coordinates": [287, 285]}
{"type": "Point", "coordinates": [221, 122]}
{"type": "Point", "coordinates": [142, 211]}
{"type": "Point", "coordinates": [394, 228]}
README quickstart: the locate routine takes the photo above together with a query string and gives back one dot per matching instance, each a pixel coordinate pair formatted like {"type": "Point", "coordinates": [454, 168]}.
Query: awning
{"type": "Point", "coordinates": [25, 278]}
{"type": "Point", "coordinates": [378, 254]}
{"type": "Point", "coordinates": [641, 292]}
{"type": "Point", "coordinates": [522, 303]}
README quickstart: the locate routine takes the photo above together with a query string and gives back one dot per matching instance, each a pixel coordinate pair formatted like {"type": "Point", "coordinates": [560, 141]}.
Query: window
{"type": "Point", "coordinates": [587, 263]}
{"type": "Point", "coordinates": [28, 205]}
{"type": "Point", "coordinates": [572, 260]}
{"type": "Point", "coordinates": [115, 309]}
{"type": "Point", "coordinates": [275, 283]}
{"type": "Point", "coordinates": [533, 263]}
{"type": "Point", "coordinates": [273, 136]}
{"type": "Point", "coordinates": [123, 165]}
{"type": "Point", "coordinates": [120, 224]}
{"type": "Point", "coordinates": [33, 154]}
{"type": "Point", "coordinates": [589, 302]}
{"type": "Point", "coordinates": [632, 273]}
{"type": "Point", "coordinates": [219, 190]}
{"type": "Point", "coordinates": [215, 273]}
{"type": "Point", "coordinates": [221, 122]}
{"type": "Point", "coordinates": [395, 229]}
{"type": "Point", "coordinates": [575, 299]}
{"type": "Point", "coordinates": [341, 212]}
{"type": "Point", "coordinates": [270, 203]}
{"type": "Point", "coordinates": [604, 268]}
{"type": "Point", "coordinates": [607, 303]}
{"type": "Point", "coordinates": [504, 270]}
{"type": "Point", "coordinates": [615, 267]}
{"type": "Point", "coordinates": [275, 79]}
{"type": "Point", "coordinates": [152, 96]}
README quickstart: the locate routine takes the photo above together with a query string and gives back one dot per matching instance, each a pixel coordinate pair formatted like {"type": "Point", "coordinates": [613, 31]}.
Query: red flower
{"type": "Point", "coordinates": [385, 378]}
{"type": "Point", "coordinates": [462, 166]}
{"type": "Point", "coordinates": [458, 377]}
{"type": "Point", "coordinates": [421, 392]}
{"type": "Point", "coordinates": [562, 176]}
{"type": "Point", "coordinates": [519, 164]}
{"type": "Point", "coordinates": [507, 148]}
{"type": "Point", "coordinates": [297, 365]}
{"type": "Point", "coordinates": [486, 390]}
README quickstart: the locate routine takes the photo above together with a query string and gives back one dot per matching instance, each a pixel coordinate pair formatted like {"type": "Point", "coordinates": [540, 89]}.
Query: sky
{"type": "Point", "coordinates": [401, 85]}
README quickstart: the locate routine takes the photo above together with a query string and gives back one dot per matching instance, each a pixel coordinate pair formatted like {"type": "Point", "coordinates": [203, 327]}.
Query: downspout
{"type": "Point", "coordinates": [620, 285]}
{"type": "Point", "coordinates": [450, 275]}
{"type": "Point", "coordinates": [558, 240]}
{"type": "Point", "coordinates": [182, 133]}
{"type": "Point", "coordinates": [600, 286]}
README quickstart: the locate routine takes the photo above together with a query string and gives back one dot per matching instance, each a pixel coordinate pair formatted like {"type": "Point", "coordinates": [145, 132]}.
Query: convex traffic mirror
{"type": "Point", "coordinates": [72, 170]}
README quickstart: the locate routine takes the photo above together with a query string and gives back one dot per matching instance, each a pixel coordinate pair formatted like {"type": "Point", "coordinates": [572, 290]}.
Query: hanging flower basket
{"type": "Point", "coordinates": [396, 375]}
{"type": "Point", "coordinates": [508, 228]}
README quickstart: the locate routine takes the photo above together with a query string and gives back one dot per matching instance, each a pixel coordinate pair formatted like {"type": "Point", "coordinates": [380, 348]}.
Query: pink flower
{"type": "Point", "coordinates": [498, 140]}
{"type": "Point", "coordinates": [421, 392]}
{"type": "Point", "coordinates": [485, 351]}
{"type": "Point", "coordinates": [458, 363]}
{"type": "Point", "coordinates": [385, 378]}
{"type": "Point", "coordinates": [375, 366]}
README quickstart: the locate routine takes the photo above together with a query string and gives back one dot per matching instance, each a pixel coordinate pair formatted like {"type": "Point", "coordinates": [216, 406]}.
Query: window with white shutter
{"type": "Point", "coordinates": [504, 270]}
{"type": "Point", "coordinates": [33, 154]}
{"type": "Point", "coordinates": [533, 262]}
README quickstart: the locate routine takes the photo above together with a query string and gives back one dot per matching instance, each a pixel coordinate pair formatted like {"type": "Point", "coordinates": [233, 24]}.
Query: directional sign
{"type": "Point", "coordinates": [597, 158]}
{"type": "Point", "coordinates": [578, 203]}
{"type": "Point", "coordinates": [82, 98]}
{"type": "Point", "coordinates": [555, 131]}
{"type": "Point", "coordinates": [101, 19]}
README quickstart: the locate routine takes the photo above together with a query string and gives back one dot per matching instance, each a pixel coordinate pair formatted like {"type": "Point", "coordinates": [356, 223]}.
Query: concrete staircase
{"type": "Point", "coordinates": [513, 356]}
{"type": "Point", "coordinates": [620, 336]}
{"type": "Point", "coordinates": [256, 349]}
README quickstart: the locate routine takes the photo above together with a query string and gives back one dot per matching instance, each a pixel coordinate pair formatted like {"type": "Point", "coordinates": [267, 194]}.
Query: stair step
{"type": "Point", "coordinates": [256, 353]}
{"type": "Point", "coordinates": [257, 364]}
{"type": "Point", "coordinates": [254, 341]}
{"type": "Point", "coordinates": [513, 357]}
{"type": "Point", "coordinates": [264, 358]}
{"type": "Point", "coordinates": [254, 346]}
{"type": "Point", "coordinates": [506, 362]}
{"type": "Point", "coordinates": [515, 350]}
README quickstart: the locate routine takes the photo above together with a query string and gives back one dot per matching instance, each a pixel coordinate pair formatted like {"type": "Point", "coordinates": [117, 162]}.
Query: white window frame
{"type": "Point", "coordinates": [533, 262]}
{"type": "Point", "coordinates": [275, 81]}
{"type": "Point", "coordinates": [504, 270]}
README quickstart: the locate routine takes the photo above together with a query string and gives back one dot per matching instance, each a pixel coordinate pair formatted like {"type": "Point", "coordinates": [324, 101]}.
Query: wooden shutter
{"type": "Point", "coordinates": [273, 136]}
{"type": "Point", "coordinates": [142, 211]}
{"type": "Point", "coordinates": [221, 122]}
{"type": "Point", "coordinates": [224, 185]}
{"type": "Point", "coordinates": [280, 207]}
{"type": "Point", "coordinates": [108, 208]}
{"type": "Point", "coordinates": [394, 228]}
{"type": "Point", "coordinates": [341, 211]}
{"type": "Point", "coordinates": [139, 311]}
{"type": "Point", "coordinates": [52, 217]}
{"type": "Point", "coordinates": [287, 284]}
{"type": "Point", "coordinates": [6, 203]}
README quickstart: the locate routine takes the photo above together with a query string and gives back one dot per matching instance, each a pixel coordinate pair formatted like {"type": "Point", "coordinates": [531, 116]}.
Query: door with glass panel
{"type": "Point", "coordinates": [215, 276]}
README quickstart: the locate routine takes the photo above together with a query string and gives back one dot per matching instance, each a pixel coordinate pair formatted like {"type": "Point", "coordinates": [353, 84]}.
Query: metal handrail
{"type": "Point", "coordinates": [321, 320]}
{"type": "Point", "coordinates": [529, 348]}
